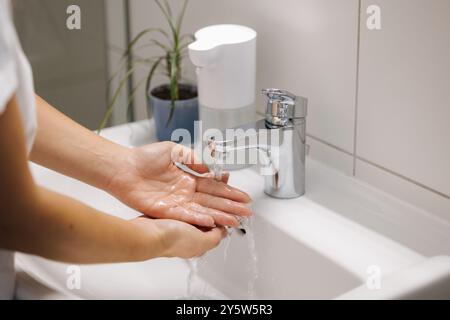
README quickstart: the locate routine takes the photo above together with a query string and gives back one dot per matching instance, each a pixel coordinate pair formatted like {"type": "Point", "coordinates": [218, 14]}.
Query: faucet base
{"type": "Point", "coordinates": [285, 197]}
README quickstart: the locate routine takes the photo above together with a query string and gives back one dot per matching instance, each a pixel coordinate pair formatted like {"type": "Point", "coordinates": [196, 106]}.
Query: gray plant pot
{"type": "Point", "coordinates": [185, 114]}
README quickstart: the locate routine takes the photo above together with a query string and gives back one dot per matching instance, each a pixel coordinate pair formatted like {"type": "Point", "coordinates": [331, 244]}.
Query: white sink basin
{"type": "Point", "coordinates": [328, 244]}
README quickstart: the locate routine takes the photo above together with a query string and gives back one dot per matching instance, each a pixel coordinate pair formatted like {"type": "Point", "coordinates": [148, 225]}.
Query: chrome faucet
{"type": "Point", "coordinates": [284, 147]}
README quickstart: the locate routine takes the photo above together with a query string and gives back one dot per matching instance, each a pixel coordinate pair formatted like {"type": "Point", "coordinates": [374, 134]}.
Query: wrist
{"type": "Point", "coordinates": [150, 240]}
{"type": "Point", "coordinates": [115, 160]}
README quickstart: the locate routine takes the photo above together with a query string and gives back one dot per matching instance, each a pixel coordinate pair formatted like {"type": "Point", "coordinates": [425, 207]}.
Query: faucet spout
{"type": "Point", "coordinates": [278, 143]}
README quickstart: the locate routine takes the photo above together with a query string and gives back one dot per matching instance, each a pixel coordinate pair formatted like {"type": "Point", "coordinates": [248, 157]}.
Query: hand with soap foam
{"type": "Point", "coordinates": [148, 180]}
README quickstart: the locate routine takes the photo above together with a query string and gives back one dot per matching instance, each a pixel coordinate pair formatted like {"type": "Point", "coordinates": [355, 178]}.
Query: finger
{"type": "Point", "coordinates": [220, 218]}
{"type": "Point", "coordinates": [183, 214]}
{"type": "Point", "coordinates": [188, 157]}
{"type": "Point", "coordinates": [198, 167]}
{"type": "Point", "coordinates": [222, 204]}
{"type": "Point", "coordinates": [225, 177]}
{"type": "Point", "coordinates": [221, 189]}
{"type": "Point", "coordinates": [212, 238]}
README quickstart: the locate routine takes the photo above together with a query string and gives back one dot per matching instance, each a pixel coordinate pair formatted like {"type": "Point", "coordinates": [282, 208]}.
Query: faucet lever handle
{"type": "Point", "coordinates": [283, 106]}
{"type": "Point", "coordinates": [278, 95]}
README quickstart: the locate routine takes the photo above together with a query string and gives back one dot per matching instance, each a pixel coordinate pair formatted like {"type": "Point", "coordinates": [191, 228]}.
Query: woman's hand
{"type": "Point", "coordinates": [178, 239]}
{"type": "Point", "coordinates": [148, 181]}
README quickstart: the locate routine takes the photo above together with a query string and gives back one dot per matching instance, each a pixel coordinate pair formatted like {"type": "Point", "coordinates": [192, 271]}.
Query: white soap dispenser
{"type": "Point", "coordinates": [225, 57]}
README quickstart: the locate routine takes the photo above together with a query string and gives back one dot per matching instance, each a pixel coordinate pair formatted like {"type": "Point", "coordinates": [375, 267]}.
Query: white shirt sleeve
{"type": "Point", "coordinates": [8, 64]}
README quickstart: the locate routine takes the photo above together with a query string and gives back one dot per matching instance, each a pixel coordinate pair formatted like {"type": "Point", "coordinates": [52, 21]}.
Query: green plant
{"type": "Point", "coordinates": [173, 47]}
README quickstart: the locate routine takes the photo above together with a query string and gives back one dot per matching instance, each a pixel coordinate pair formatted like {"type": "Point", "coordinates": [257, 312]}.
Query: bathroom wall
{"type": "Point", "coordinates": [403, 110]}
{"type": "Point", "coordinates": [69, 66]}
{"type": "Point", "coordinates": [116, 42]}
{"type": "Point", "coordinates": [379, 100]}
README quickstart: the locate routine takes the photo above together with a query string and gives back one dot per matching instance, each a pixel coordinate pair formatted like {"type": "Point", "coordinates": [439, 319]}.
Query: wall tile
{"type": "Point", "coordinates": [404, 96]}
{"type": "Point", "coordinates": [404, 190]}
{"type": "Point", "coordinates": [329, 155]}
{"type": "Point", "coordinates": [306, 46]}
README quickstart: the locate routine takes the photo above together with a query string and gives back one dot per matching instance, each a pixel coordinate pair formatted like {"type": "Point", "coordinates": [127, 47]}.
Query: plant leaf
{"type": "Point", "coordinates": [188, 36]}
{"type": "Point", "coordinates": [131, 97]}
{"type": "Point", "coordinates": [169, 10]}
{"type": "Point", "coordinates": [146, 61]}
{"type": "Point", "coordinates": [149, 80]}
{"type": "Point", "coordinates": [116, 73]}
{"type": "Point", "coordinates": [181, 16]}
{"type": "Point", "coordinates": [150, 44]}
{"type": "Point", "coordinates": [169, 20]}
{"type": "Point", "coordinates": [150, 75]}
{"type": "Point", "coordinates": [112, 103]}
{"type": "Point", "coordinates": [184, 46]}
{"type": "Point", "coordinates": [159, 44]}
{"type": "Point", "coordinates": [174, 90]}
{"type": "Point", "coordinates": [139, 36]}
{"type": "Point", "coordinates": [123, 64]}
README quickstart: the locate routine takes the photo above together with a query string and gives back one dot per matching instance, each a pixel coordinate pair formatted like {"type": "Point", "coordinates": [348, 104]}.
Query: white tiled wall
{"type": "Point", "coordinates": [390, 128]}
{"type": "Point", "coordinates": [404, 97]}
{"type": "Point", "coordinates": [306, 46]}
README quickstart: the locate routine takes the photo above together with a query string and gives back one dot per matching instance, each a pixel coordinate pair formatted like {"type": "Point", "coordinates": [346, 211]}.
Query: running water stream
{"type": "Point", "coordinates": [252, 267]}
{"type": "Point", "coordinates": [246, 224]}
{"type": "Point", "coordinates": [227, 244]}
{"type": "Point", "coordinates": [193, 266]}
{"type": "Point", "coordinates": [253, 264]}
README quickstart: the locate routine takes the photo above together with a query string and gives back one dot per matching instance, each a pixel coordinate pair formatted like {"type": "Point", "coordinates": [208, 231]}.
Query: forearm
{"type": "Point", "coordinates": [67, 147]}
{"type": "Point", "coordinates": [60, 228]}
{"type": "Point", "coordinates": [40, 222]}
